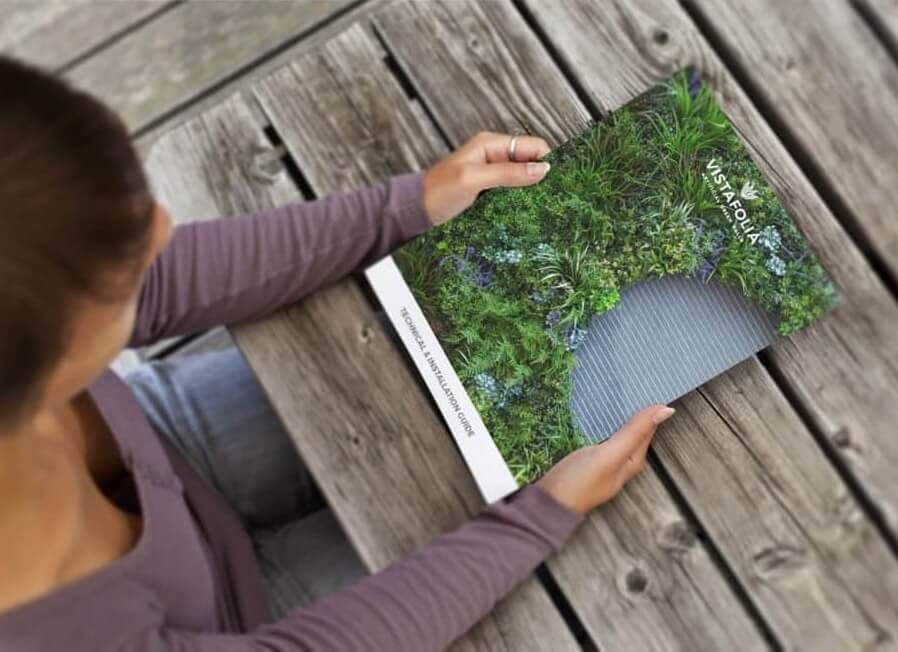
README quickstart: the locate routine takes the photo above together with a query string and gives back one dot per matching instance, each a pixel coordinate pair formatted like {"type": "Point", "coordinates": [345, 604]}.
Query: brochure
{"type": "Point", "coordinates": [652, 257]}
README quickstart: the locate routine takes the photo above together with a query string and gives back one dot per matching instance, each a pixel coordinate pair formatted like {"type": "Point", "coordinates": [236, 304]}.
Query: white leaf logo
{"type": "Point", "coordinates": [749, 191]}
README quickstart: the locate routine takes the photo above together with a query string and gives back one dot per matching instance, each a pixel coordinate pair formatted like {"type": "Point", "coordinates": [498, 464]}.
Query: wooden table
{"type": "Point", "coordinates": [768, 516]}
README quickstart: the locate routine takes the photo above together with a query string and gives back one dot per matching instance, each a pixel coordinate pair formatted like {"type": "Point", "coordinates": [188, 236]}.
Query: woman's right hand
{"type": "Point", "coordinates": [592, 475]}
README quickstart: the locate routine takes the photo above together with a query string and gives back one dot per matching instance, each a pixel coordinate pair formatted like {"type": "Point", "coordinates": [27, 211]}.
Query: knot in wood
{"type": "Point", "coordinates": [841, 438]}
{"type": "Point", "coordinates": [635, 582]}
{"type": "Point", "coordinates": [779, 562]}
{"type": "Point", "coordinates": [677, 537]}
{"type": "Point", "coordinates": [846, 512]}
{"type": "Point", "coordinates": [265, 163]}
{"type": "Point", "coordinates": [661, 36]}
{"type": "Point", "coordinates": [366, 333]}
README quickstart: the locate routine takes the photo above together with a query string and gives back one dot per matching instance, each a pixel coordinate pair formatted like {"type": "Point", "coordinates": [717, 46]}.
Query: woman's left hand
{"type": "Point", "coordinates": [483, 162]}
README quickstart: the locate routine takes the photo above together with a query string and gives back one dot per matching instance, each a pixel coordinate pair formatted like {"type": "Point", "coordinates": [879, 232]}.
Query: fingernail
{"type": "Point", "coordinates": [537, 170]}
{"type": "Point", "coordinates": [663, 414]}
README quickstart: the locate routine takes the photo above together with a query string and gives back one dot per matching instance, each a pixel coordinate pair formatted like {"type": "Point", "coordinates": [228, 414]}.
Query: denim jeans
{"type": "Point", "coordinates": [210, 406]}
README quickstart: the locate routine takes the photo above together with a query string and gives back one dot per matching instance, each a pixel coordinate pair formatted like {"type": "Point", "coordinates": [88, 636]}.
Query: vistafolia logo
{"type": "Point", "coordinates": [749, 191]}
{"type": "Point", "coordinates": [730, 202]}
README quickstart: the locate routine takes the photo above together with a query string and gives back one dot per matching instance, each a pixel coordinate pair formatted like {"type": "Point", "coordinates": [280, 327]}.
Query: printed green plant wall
{"type": "Point", "coordinates": [662, 186]}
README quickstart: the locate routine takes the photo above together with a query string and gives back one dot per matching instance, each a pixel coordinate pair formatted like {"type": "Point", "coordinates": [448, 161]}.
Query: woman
{"type": "Point", "coordinates": [128, 511]}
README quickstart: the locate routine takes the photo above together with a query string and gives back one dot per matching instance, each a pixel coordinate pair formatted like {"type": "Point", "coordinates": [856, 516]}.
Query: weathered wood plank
{"type": "Point", "coordinates": [257, 161]}
{"type": "Point", "coordinates": [360, 443]}
{"type": "Point", "coordinates": [338, 122]}
{"type": "Point", "coordinates": [885, 12]}
{"type": "Point", "coordinates": [369, 134]}
{"type": "Point", "coordinates": [310, 41]}
{"type": "Point", "coordinates": [466, 45]}
{"type": "Point", "coordinates": [51, 33]}
{"type": "Point", "coordinates": [192, 48]}
{"type": "Point", "coordinates": [810, 558]}
{"type": "Point", "coordinates": [639, 578]}
{"type": "Point", "coordinates": [762, 489]}
{"type": "Point", "coordinates": [835, 87]}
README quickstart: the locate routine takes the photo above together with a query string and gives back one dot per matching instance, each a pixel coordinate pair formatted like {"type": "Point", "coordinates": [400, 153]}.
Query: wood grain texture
{"type": "Point", "coordinates": [315, 361]}
{"type": "Point", "coordinates": [244, 78]}
{"type": "Point", "coordinates": [760, 486]}
{"type": "Point", "coordinates": [835, 87]}
{"type": "Point", "coordinates": [885, 14]}
{"type": "Point", "coordinates": [191, 48]}
{"type": "Point", "coordinates": [808, 556]}
{"type": "Point", "coordinates": [247, 163]}
{"type": "Point", "coordinates": [51, 33]}
{"type": "Point", "coordinates": [636, 574]}
{"type": "Point", "coordinates": [640, 578]}
{"type": "Point", "coordinates": [344, 118]}
{"type": "Point", "coordinates": [500, 76]}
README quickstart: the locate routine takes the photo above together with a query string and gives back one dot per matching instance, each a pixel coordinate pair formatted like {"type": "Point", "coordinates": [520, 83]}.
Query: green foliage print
{"type": "Point", "coordinates": [510, 286]}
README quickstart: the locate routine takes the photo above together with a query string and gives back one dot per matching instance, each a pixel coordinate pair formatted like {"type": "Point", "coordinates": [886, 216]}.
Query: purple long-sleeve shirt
{"type": "Point", "coordinates": [191, 583]}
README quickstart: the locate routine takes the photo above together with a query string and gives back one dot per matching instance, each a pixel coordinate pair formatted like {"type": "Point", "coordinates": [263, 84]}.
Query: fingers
{"type": "Point", "coordinates": [636, 461]}
{"type": "Point", "coordinates": [495, 147]}
{"type": "Point", "coordinates": [636, 433]}
{"type": "Point", "coordinates": [488, 164]}
{"type": "Point", "coordinates": [493, 175]}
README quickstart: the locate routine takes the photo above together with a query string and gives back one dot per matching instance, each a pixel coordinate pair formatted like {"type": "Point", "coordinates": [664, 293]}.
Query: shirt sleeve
{"type": "Point", "coordinates": [229, 270]}
{"type": "Point", "coordinates": [419, 604]}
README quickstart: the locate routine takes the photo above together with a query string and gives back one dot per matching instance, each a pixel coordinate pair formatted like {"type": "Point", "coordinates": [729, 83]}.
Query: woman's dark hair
{"type": "Point", "coordinates": [75, 207]}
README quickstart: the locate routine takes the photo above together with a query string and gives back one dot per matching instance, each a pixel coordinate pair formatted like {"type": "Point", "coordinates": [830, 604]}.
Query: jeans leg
{"type": "Point", "coordinates": [211, 407]}
{"type": "Point", "coordinates": [305, 560]}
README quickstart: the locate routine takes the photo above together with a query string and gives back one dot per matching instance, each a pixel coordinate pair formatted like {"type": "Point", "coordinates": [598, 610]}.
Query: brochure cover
{"type": "Point", "coordinates": [652, 257]}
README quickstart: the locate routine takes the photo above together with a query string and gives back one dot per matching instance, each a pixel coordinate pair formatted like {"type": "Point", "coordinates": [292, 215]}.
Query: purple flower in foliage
{"type": "Point", "coordinates": [482, 275]}
{"type": "Point", "coordinates": [475, 268]}
{"type": "Point", "coordinates": [573, 336]}
{"type": "Point", "coordinates": [695, 82]}
{"type": "Point", "coordinates": [718, 247]}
